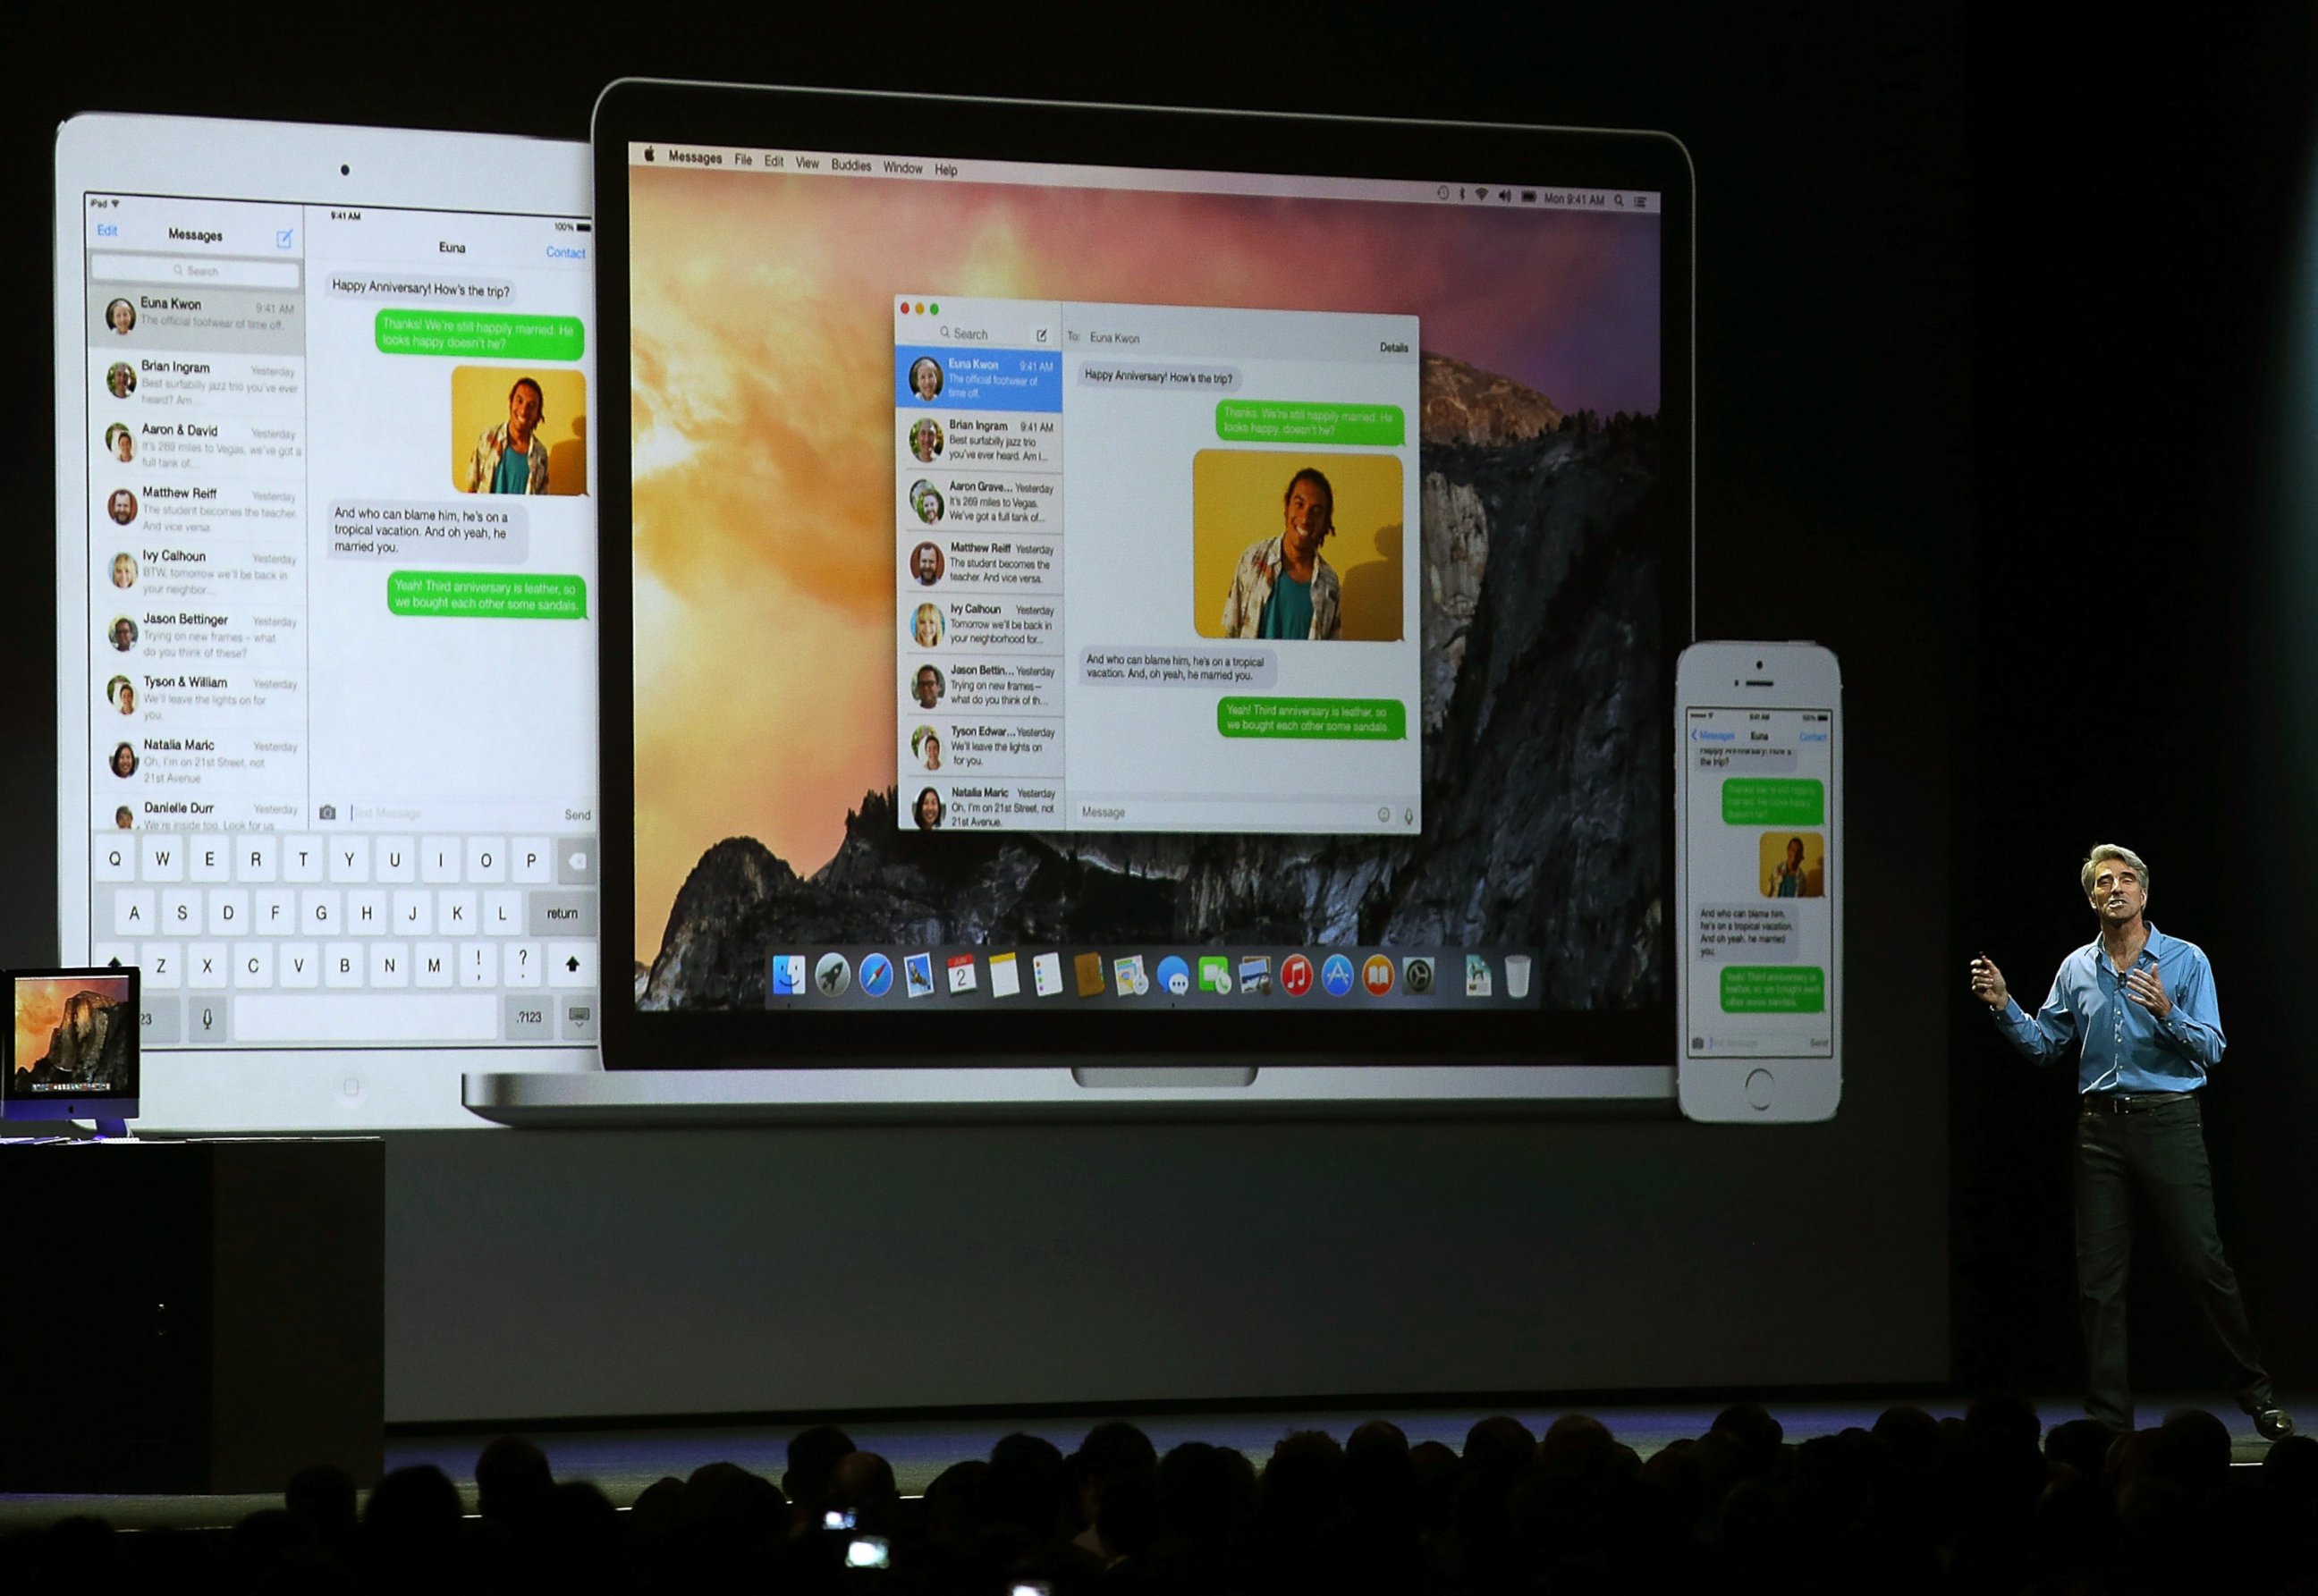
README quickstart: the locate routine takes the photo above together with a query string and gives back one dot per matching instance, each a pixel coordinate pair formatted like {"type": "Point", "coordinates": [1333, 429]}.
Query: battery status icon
{"type": "Point", "coordinates": [1528, 196]}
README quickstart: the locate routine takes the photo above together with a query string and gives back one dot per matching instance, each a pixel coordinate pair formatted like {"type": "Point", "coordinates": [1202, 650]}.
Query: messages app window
{"type": "Point", "coordinates": [1757, 837]}
{"type": "Point", "coordinates": [341, 649]}
{"type": "Point", "coordinates": [1156, 568]}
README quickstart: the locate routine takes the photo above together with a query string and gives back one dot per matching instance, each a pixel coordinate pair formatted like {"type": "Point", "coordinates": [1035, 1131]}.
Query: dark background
{"type": "Point", "coordinates": [1991, 321]}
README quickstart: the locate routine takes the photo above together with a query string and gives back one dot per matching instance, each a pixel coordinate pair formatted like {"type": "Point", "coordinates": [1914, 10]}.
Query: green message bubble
{"type": "Point", "coordinates": [1773, 989]}
{"type": "Point", "coordinates": [1773, 801]}
{"type": "Point", "coordinates": [479, 332]}
{"type": "Point", "coordinates": [1371, 720]}
{"type": "Point", "coordinates": [487, 596]}
{"type": "Point", "coordinates": [1288, 421]}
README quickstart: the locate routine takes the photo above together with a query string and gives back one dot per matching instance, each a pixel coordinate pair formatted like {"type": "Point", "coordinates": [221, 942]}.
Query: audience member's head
{"type": "Point", "coordinates": [1498, 1448]}
{"type": "Point", "coordinates": [1030, 1488]}
{"type": "Point", "coordinates": [814, 1455]}
{"type": "Point", "coordinates": [512, 1481]}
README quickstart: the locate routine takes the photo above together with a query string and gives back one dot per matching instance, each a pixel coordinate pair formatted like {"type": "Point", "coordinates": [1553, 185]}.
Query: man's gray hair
{"type": "Point", "coordinates": [2110, 850]}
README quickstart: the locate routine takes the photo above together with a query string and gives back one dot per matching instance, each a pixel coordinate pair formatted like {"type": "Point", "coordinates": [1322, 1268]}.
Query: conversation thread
{"type": "Point", "coordinates": [340, 643]}
{"type": "Point", "coordinates": [1139, 537]}
{"type": "Point", "coordinates": [1759, 842]}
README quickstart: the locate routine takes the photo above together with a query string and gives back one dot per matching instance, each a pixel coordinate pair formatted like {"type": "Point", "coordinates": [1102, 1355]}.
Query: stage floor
{"type": "Point", "coordinates": [623, 1461]}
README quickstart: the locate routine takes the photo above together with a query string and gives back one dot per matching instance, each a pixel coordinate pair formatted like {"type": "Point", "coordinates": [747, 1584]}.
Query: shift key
{"type": "Point", "coordinates": [562, 914]}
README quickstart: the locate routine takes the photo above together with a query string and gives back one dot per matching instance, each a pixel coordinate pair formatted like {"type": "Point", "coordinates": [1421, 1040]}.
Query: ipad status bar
{"type": "Point", "coordinates": [799, 162]}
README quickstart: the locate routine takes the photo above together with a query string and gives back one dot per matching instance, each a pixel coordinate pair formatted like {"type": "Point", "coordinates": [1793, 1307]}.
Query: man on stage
{"type": "Point", "coordinates": [2140, 1007]}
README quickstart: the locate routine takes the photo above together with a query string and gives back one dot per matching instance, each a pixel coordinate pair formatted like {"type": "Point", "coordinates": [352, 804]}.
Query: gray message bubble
{"type": "Point", "coordinates": [1741, 759]}
{"type": "Point", "coordinates": [407, 288]}
{"type": "Point", "coordinates": [489, 529]}
{"type": "Point", "coordinates": [1169, 377]}
{"type": "Point", "coordinates": [1168, 665]}
{"type": "Point", "coordinates": [1748, 933]}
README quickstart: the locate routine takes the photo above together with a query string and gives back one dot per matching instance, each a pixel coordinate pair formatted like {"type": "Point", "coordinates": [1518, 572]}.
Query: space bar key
{"type": "Point", "coordinates": [367, 1017]}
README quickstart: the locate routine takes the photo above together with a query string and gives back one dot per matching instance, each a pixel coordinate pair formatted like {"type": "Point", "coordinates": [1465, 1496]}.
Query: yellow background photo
{"type": "Point", "coordinates": [1775, 854]}
{"type": "Point", "coordinates": [1235, 501]}
{"type": "Point", "coordinates": [478, 402]}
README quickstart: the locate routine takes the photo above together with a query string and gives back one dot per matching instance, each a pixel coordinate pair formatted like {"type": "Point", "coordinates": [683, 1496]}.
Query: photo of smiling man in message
{"type": "Point", "coordinates": [518, 429]}
{"type": "Point", "coordinates": [1296, 545]}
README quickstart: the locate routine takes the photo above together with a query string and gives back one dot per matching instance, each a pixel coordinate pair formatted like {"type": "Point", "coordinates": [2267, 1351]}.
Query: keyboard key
{"type": "Point", "coordinates": [111, 955]}
{"type": "Point", "coordinates": [164, 967]}
{"type": "Point", "coordinates": [394, 859]}
{"type": "Point", "coordinates": [258, 858]}
{"type": "Point", "coordinates": [229, 912]}
{"type": "Point", "coordinates": [479, 964]}
{"type": "Point", "coordinates": [164, 858]}
{"type": "Point", "coordinates": [252, 963]}
{"type": "Point", "coordinates": [578, 1018]}
{"type": "Point", "coordinates": [206, 1020]}
{"type": "Point", "coordinates": [349, 858]}
{"type": "Point", "coordinates": [389, 964]}
{"type": "Point", "coordinates": [572, 965]}
{"type": "Point", "coordinates": [205, 965]}
{"type": "Point", "coordinates": [181, 913]}
{"type": "Point", "coordinates": [164, 1019]}
{"type": "Point", "coordinates": [438, 859]}
{"type": "Point", "coordinates": [342, 964]}
{"type": "Point", "coordinates": [303, 858]}
{"type": "Point", "coordinates": [486, 858]}
{"type": "Point", "coordinates": [136, 911]}
{"type": "Point", "coordinates": [529, 1020]}
{"type": "Point", "coordinates": [276, 912]}
{"type": "Point", "coordinates": [326, 1017]}
{"type": "Point", "coordinates": [113, 859]}
{"type": "Point", "coordinates": [366, 911]}
{"type": "Point", "coordinates": [210, 858]}
{"type": "Point", "coordinates": [562, 914]}
{"type": "Point", "coordinates": [414, 912]}
{"type": "Point", "coordinates": [503, 913]}
{"type": "Point", "coordinates": [456, 914]}
{"type": "Point", "coordinates": [319, 910]}
{"type": "Point", "coordinates": [575, 861]}
{"type": "Point", "coordinates": [433, 963]}
{"type": "Point", "coordinates": [300, 964]}
{"type": "Point", "coordinates": [531, 860]}
{"type": "Point", "coordinates": [520, 963]}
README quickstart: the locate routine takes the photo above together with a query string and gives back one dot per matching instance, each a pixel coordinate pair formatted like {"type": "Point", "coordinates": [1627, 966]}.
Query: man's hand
{"type": "Point", "coordinates": [1988, 982]}
{"type": "Point", "coordinates": [2145, 988]}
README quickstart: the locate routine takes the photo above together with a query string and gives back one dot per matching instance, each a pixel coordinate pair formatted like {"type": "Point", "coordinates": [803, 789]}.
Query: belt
{"type": "Point", "coordinates": [2136, 1102]}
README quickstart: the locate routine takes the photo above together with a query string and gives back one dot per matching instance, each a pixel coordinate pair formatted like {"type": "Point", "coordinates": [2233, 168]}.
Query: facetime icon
{"type": "Point", "coordinates": [1088, 966]}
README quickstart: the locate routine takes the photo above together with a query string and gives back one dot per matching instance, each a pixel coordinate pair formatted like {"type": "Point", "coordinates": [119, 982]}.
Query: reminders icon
{"type": "Point", "coordinates": [1047, 974]}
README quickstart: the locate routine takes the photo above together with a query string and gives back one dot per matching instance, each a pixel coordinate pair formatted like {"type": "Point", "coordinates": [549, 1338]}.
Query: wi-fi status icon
{"type": "Point", "coordinates": [1481, 191]}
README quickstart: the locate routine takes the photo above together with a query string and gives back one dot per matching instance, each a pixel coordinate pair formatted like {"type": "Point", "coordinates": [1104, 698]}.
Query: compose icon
{"type": "Point", "coordinates": [876, 975]}
{"type": "Point", "coordinates": [833, 974]}
{"type": "Point", "coordinates": [1377, 975]}
{"type": "Point", "coordinates": [1336, 975]}
{"type": "Point", "coordinates": [1295, 976]}
{"type": "Point", "coordinates": [918, 969]}
{"type": "Point", "coordinates": [788, 974]}
{"type": "Point", "coordinates": [1174, 976]}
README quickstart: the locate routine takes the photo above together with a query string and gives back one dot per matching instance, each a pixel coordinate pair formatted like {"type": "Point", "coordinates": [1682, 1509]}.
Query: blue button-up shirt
{"type": "Point", "coordinates": [2125, 1047]}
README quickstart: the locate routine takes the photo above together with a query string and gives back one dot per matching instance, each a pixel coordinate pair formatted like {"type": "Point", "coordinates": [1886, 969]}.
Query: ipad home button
{"type": "Point", "coordinates": [353, 1087]}
{"type": "Point", "coordinates": [1758, 1088]}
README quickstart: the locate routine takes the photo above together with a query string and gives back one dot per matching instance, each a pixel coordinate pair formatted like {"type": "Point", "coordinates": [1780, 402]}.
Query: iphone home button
{"type": "Point", "coordinates": [1758, 1088]}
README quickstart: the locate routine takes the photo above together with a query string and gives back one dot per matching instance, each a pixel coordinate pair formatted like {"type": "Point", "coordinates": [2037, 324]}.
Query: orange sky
{"type": "Point", "coordinates": [40, 1004]}
{"type": "Point", "coordinates": [762, 360]}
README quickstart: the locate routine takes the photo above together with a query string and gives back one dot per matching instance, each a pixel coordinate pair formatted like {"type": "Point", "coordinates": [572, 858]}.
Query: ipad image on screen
{"type": "Point", "coordinates": [1114, 583]}
{"type": "Point", "coordinates": [326, 649]}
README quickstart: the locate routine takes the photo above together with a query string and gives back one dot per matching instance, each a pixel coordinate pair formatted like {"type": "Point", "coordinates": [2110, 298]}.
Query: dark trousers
{"type": "Point", "coordinates": [2160, 1152]}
